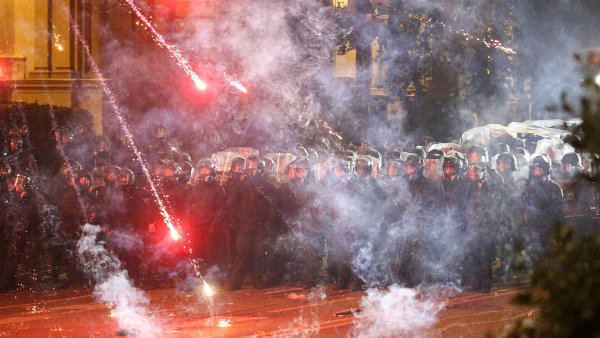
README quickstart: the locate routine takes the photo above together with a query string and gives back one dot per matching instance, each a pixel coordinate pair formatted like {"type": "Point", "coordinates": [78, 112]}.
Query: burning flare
{"type": "Point", "coordinates": [182, 62]}
{"type": "Point", "coordinates": [199, 83]}
{"type": "Point", "coordinates": [208, 291]}
{"type": "Point", "coordinates": [224, 323]}
{"type": "Point", "coordinates": [173, 232]}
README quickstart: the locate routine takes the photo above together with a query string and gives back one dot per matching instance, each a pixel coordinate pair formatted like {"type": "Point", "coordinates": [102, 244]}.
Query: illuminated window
{"type": "Point", "coordinates": [340, 4]}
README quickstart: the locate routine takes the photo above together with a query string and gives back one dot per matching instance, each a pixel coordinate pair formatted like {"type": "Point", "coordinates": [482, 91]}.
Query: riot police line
{"type": "Point", "coordinates": [348, 216]}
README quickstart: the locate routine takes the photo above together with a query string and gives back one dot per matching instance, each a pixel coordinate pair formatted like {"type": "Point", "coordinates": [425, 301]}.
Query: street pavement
{"type": "Point", "coordinates": [282, 311]}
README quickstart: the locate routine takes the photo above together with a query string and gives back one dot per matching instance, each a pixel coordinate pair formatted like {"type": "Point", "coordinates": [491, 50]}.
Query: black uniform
{"type": "Point", "coordinates": [305, 241]}
{"type": "Point", "coordinates": [72, 219]}
{"type": "Point", "coordinates": [480, 235]}
{"type": "Point", "coordinates": [205, 221]}
{"type": "Point", "coordinates": [421, 225]}
{"type": "Point", "coordinates": [338, 230]}
{"type": "Point", "coordinates": [23, 240]}
{"type": "Point", "coordinates": [367, 226]}
{"type": "Point", "coordinates": [249, 211]}
{"type": "Point", "coordinates": [542, 209]}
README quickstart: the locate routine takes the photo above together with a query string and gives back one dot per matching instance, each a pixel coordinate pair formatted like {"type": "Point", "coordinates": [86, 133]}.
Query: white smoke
{"type": "Point", "coordinates": [396, 312]}
{"type": "Point", "coordinates": [281, 50]}
{"type": "Point", "coordinates": [113, 286]}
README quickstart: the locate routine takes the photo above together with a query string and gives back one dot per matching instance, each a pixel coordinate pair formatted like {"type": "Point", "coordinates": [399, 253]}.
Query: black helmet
{"type": "Point", "coordinates": [64, 169]}
{"type": "Point", "coordinates": [299, 170]}
{"type": "Point", "coordinates": [5, 170]}
{"type": "Point", "coordinates": [255, 165]}
{"type": "Point", "coordinates": [572, 159]}
{"type": "Point", "coordinates": [541, 161]}
{"type": "Point", "coordinates": [206, 170]}
{"type": "Point", "coordinates": [573, 140]}
{"type": "Point", "coordinates": [126, 177]}
{"type": "Point", "coordinates": [477, 171]}
{"type": "Point", "coordinates": [363, 166]}
{"type": "Point", "coordinates": [502, 148]}
{"type": "Point", "coordinates": [481, 153]}
{"type": "Point", "coordinates": [413, 160]}
{"type": "Point", "coordinates": [394, 168]}
{"type": "Point", "coordinates": [571, 165]}
{"type": "Point", "coordinates": [392, 155]}
{"type": "Point", "coordinates": [344, 165]}
{"type": "Point", "coordinates": [522, 156]}
{"type": "Point", "coordinates": [419, 151]}
{"type": "Point", "coordinates": [83, 178]}
{"type": "Point", "coordinates": [238, 165]}
{"type": "Point", "coordinates": [300, 163]}
{"type": "Point", "coordinates": [435, 154]}
{"type": "Point", "coordinates": [166, 168]}
{"type": "Point", "coordinates": [300, 151]}
{"type": "Point", "coordinates": [269, 166]}
{"type": "Point", "coordinates": [111, 173]}
{"type": "Point", "coordinates": [452, 166]}
{"type": "Point", "coordinates": [509, 162]}
{"type": "Point", "coordinates": [205, 167]}
{"type": "Point", "coordinates": [171, 168]}
{"type": "Point", "coordinates": [186, 173]}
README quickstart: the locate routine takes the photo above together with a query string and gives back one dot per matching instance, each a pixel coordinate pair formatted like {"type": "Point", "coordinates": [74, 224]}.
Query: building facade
{"type": "Point", "coordinates": [41, 59]}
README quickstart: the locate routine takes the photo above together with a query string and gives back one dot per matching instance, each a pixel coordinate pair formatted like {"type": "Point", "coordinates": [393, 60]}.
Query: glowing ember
{"type": "Point", "coordinates": [224, 323]}
{"type": "Point", "coordinates": [56, 38]}
{"type": "Point", "coordinates": [199, 83]}
{"type": "Point", "coordinates": [173, 232]}
{"type": "Point", "coordinates": [208, 291]}
{"type": "Point", "coordinates": [239, 86]}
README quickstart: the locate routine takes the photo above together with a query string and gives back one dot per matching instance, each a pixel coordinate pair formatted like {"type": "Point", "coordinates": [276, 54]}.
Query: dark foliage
{"type": "Point", "coordinates": [565, 282]}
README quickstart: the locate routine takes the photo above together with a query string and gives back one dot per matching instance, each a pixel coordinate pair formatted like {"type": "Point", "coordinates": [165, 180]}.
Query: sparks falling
{"type": "Point", "coordinates": [304, 110]}
{"type": "Point", "coordinates": [489, 43]}
{"type": "Point", "coordinates": [181, 61]}
{"type": "Point", "coordinates": [172, 223]}
{"type": "Point", "coordinates": [56, 38]}
{"type": "Point", "coordinates": [168, 219]}
{"type": "Point", "coordinates": [233, 82]}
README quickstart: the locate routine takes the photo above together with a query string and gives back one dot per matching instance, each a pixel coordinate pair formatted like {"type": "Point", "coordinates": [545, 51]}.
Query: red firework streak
{"type": "Point", "coordinates": [181, 61]}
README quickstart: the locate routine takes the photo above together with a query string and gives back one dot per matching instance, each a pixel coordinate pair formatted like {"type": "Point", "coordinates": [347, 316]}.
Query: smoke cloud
{"type": "Point", "coordinates": [283, 51]}
{"type": "Point", "coordinates": [396, 312]}
{"type": "Point", "coordinates": [112, 284]}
